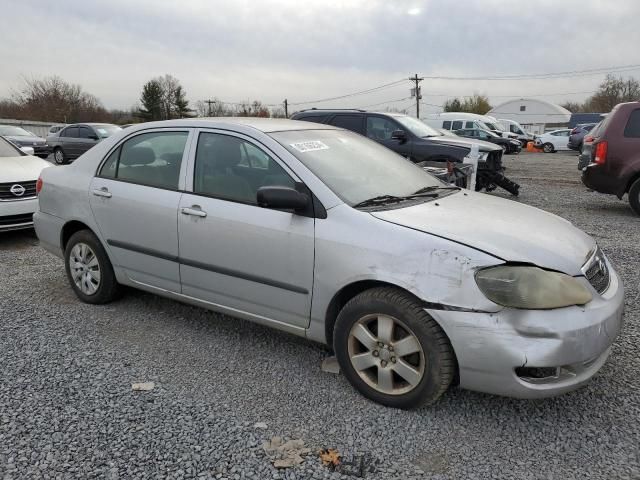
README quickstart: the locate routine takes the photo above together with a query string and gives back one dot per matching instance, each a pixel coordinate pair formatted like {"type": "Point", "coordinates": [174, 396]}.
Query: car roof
{"type": "Point", "coordinates": [323, 111]}
{"type": "Point", "coordinates": [266, 125]}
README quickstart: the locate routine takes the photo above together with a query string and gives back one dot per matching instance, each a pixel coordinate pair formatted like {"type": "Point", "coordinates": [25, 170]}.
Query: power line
{"type": "Point", "coordinates": [386, 101]}
{"type": "Point", "coordinates": [542, 76]}
{"type": "Point", "coordinates": [362, 92]}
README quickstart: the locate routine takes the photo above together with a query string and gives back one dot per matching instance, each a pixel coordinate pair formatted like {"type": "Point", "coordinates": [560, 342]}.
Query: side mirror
{"type": "Point", "coordinates": [285, 198]}
{"type": "Point", "coordinates": [399, 135]}
{"type": "Point", "coordinates": [94, 137]}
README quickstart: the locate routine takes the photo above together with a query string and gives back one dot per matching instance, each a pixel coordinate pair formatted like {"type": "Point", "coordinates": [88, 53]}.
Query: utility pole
{"type": "Point", "coordinates": [417, 93]}
{"type": "Point", "coordinates": [286, 108]}
{"type": "Point", "coordinates": [209, 102]}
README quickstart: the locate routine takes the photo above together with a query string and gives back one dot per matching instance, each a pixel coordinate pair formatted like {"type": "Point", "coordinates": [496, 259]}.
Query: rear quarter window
{"type": "Point", "coordinates": [632, 129]}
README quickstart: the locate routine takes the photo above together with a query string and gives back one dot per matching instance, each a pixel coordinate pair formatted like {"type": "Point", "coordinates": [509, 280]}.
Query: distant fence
{"type": "Point", "coordinates": [39, 128]}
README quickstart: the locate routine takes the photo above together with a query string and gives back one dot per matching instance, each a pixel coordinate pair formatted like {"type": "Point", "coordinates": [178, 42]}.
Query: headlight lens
{"type": "Point", "coordinates": [531, 288]}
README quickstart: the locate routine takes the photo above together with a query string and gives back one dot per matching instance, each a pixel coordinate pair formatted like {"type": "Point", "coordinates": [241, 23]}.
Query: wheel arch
{"type": "Point", "coordinates": [349, 291]}
{"type": "Point", "coordinates": [69, 229]}
{"type": "Point", "coordinates": [633, 178]}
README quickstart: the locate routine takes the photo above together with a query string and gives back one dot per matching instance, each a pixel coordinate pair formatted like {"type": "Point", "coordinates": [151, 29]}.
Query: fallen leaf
{"type": "Point", "coordinates": [142, 387]}
{"type": "Point", "coordinates": [260, 425]}
{"type": "Point", "coordinates": [330, 457]}
{"type": "Point", "coordinates": [330, 365]}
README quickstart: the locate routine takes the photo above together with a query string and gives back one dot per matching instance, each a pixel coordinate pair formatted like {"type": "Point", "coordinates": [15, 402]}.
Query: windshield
{"type": "Point", "coordinates": [9, 131]}
{"type": "Point", "coordinates": [492, 126]}
{"type": "Point", "coordinates": [354, 167]}
{"type": "Point", "coordinates": [8, 150]}
{"type": "Point", "coordinates": [106, 130]}
{"type": "Point", "coordinates": [417, 127]}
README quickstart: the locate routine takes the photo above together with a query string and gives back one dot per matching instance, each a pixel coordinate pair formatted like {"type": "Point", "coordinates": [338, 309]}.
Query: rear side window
{"type": "Point", "coordinates": [151, 159]}
{"type": "Point", "coordinates": [457, 125]}
{"type": "Point", "coordinates": [71, 132]}
{"type": "Point", "coordinates": [632, 129]}
{"type": "Point", "coordinates": [349, 122]}
{"type": "Point", "coordinates": [446, 124]}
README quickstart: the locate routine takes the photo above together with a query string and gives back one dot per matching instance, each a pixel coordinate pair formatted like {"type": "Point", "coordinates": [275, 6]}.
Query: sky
{"type": "Point", "coordinates": [305, 50]}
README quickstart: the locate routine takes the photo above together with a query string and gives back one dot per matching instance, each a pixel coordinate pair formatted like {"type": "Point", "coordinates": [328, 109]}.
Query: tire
{"type": "Point", "coordinates": [429, 356]}
{"type": "Point", "coordinates": [634, 196]}
{"type": "Point", "coordinates": [505, 149]}
{"type": "Point", "coordinates": [548, 148]}
{"type": "Point", "coordinates": [86, 252]}
{"type": "Point", "coordinates": [59, 157]}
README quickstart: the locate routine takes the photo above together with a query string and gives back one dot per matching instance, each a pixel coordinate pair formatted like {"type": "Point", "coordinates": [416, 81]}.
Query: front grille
{"type": "Point", "coordinates": [16, 219]}
{"type": "Point", "coordinates": [7, 194]}
{"type": "Point", "coordinates": [597, 272]}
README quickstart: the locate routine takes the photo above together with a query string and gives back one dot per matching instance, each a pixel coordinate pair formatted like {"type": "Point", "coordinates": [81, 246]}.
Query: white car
{"type": "Point", "coordinates": [554, 141]}
{"type": "Point", "coordinates": [18, 176]}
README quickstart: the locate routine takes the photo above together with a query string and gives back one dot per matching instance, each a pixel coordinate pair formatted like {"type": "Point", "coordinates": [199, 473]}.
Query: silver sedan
{"type": "Point", "coordinates": [323, 233]}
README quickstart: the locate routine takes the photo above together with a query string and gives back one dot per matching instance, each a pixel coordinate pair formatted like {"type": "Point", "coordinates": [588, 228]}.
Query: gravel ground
{"type": "Point", "coordinates": [67, 409]}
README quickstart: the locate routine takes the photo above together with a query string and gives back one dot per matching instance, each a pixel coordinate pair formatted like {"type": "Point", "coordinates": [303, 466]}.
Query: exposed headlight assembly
{"type": "Point", "coordinates": [531, 288]}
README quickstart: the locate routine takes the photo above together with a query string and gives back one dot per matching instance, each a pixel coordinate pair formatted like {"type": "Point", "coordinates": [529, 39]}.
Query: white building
{"type": "Point", "coordinates": [532, 114]}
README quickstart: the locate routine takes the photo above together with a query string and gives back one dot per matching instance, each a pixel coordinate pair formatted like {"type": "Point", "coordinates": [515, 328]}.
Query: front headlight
{"type": "Point", "coordinates": [531, 288]}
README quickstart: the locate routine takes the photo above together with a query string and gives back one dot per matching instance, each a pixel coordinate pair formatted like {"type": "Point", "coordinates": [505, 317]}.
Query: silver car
{"type": "Point", "coordinates": [328, 235]}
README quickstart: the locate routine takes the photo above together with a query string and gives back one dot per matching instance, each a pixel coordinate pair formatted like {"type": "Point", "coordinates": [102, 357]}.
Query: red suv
{"type": "Point", "coordinates": [610, 162]}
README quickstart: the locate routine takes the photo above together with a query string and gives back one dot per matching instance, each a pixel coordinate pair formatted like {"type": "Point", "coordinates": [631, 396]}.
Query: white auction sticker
{"type": "Point", "coordinates": [310, 146]}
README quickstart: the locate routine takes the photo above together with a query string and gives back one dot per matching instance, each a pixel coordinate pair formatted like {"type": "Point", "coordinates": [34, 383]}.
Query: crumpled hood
{"type": "Point", "coordinates": [21, 169]}
{"type": "Point", "coordinates": [504, 228]}
{"type": "Point", "coordinates": [465, 142]}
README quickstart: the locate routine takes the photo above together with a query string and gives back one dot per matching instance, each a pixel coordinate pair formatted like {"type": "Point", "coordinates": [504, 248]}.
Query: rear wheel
{"type": "Point", "coordinates": [548, 148]}
{"type": "Point", "coordinates": [634, 196]}
{"type": "Point", "coordinates": [89, 270]}
{"type": "Point", "coordinates": [391, 350]}
{"type": "Point", "coordinates": [59, 157]}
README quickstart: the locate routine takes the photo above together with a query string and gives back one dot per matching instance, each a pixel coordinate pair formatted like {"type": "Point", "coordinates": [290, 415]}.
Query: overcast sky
{"type": "Point", "coordinates": [312, 49]}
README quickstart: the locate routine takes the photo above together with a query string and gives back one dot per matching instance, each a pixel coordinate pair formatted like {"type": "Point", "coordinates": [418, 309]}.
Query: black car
{"type": "Point", "coordinates": [507, 144]}
{"type": "Point", "coordinates": [23, 138]}
{"type": "Point", "coordinates": [576, 137]}
{"type": "Point", "coordinates": [416, 141]}
{"type": "Point", "coordinates": [73, 140]}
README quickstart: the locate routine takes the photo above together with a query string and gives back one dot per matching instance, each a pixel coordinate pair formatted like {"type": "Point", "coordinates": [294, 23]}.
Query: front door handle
{"type": "Point", "coordinates": [194, 210]}
{"type": "Point", "coordinates": [103, 192]}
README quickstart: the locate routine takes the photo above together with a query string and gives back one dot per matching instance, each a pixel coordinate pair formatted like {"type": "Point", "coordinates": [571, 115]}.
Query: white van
{"type": "Point", "coordinates": [514, 127]}
{"type": "Point", "coordinates": [458, 120]}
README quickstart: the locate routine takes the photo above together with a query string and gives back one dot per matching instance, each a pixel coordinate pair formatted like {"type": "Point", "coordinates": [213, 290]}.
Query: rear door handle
{"type": "Point", "coordinates": [103, 192]}
{"type": "Point", "coordinates": [194, 210]}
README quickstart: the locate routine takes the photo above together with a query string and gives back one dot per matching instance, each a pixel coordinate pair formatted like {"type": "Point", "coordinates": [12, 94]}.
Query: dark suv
{"type": "Point", "coordinates": [576, 137]}
{"type": "Point", "coordinates": [611, 162]}
{"type": "Point", "coordinates": [416, 141]}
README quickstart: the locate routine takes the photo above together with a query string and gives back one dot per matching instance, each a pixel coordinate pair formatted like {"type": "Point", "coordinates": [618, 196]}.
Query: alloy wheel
{"type": "Point", "coordinates": [58, 156]}
{"type": "Point", "coordinates": [85, 268]}
{"type": "Point", "coordinates": [386, 354]}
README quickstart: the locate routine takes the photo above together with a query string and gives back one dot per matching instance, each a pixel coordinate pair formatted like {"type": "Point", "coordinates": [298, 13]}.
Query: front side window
{"type": "Point", "coordinates": [446, 124]}
{"type": "Point", "coordinates": [233, 169]}
{"type": "Point", "coordinates": [151, 159]}
{"type": "Point", "coordinates": [380, 128]}
{"type": "Point", "coordinates": [86, 133]}
{"type": "Point", "coordinates": [457, 125]}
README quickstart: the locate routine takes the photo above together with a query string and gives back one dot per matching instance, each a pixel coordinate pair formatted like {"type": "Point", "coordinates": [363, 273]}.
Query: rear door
{"type": "Point", "coordinates": [87, 138]}
{"type": "Point", "coordinates": [68, 141]}
{"type": "Point", "coordinates": [353, 122]}
{"type": "Point", "coordinates": [233, 253]}
{"type": "Point", "coordinates": [135, 200]}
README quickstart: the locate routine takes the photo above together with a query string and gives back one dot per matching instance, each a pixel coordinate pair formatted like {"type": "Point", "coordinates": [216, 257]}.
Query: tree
{"type": "Point", "coordinates": [163, 98]}
{"type": "Point", "coordinates": [573, 107]}
{"type": "Point", "coordinates": [151, 99]}
{"type": "Point", "coordinates": [612, 91]}
{"type": "Point", "coordinates": [475, 104]}
{"type": "Point", "coordinates": [51, 99]}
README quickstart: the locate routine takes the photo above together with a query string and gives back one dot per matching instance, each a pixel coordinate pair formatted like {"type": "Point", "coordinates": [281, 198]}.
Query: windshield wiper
{"type": "Point", "coordinates": [431, 188]}
{"type": "Point", "coordinates": [379, 200]}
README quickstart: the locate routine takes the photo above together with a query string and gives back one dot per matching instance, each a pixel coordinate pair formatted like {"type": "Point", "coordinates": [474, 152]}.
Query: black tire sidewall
{"type": "Point", "coordinates": [429, 388]}
{"type": "Point", "coordinates": [634, 196]}
{"type": "Point", "coordinates": [108, 288]}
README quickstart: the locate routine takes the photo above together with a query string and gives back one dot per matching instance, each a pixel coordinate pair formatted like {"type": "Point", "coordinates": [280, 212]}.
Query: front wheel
{"type": "Point", "coordinates": [634, 196]}
{"type": "Point", "coordinates": [391, 350]}
{"type": "Point", "coordinates": [89, 270]}
{"type": "Point", "coordinates": [548, 148]}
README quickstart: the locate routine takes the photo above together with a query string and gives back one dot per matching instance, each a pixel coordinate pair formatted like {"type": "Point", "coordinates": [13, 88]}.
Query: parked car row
{"type": "Point", "coordinates": [24, 138]}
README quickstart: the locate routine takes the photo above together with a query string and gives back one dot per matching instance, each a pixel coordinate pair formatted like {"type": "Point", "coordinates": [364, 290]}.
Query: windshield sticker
{"type": "Point", "coordinates": [310, 146]}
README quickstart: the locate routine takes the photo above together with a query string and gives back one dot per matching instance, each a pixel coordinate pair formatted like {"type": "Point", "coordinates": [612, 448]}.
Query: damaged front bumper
{"type": "Point", "coordinates": [534, 353]}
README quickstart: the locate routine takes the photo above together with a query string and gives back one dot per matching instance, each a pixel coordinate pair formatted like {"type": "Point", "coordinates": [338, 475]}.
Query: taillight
{"type": "Point", "coordinates": [601, 153]}
{"type": "Point", "coordinates": [39, 184]}
{"type": "Point", "coordinates": [588, 139]}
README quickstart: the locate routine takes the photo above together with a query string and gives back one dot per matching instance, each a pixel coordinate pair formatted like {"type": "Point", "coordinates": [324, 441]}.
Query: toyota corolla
{"type": "Point", "coordinates": [326, 234]}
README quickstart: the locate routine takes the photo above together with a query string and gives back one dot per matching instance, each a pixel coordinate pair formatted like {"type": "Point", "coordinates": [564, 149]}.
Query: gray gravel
{"type": "Point", "coordinates": [67, 409]}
